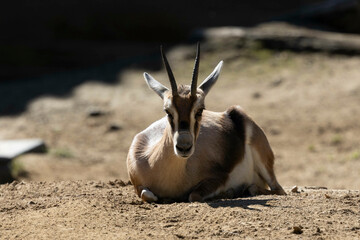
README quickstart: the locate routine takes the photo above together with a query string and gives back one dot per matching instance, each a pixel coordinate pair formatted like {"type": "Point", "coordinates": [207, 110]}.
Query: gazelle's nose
{"type": "Point", "coordinates": [184, 142]}
{"type": "Point", "coordinates": [183, 148]}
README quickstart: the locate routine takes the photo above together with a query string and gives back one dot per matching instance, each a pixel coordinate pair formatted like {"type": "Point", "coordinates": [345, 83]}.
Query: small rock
{"type": "Point", "coordinates": [10, 149]}
{"type": "Point", "coordinates": [327, 196]}
{"type": "Point", "coordinates": [321, 130]}
{"type": "Point", "coordinates": [297, 230]}
{"type": "Point", "coordinates": [31, 203]}
{"type": "Point", "coordinates": [315, 187]}
{"type": "Point", "coordinates": [114, 127]}
{"type": "Point", "coordinates": [276, 82]}
{"type": "Point", "coordinates": [180, 236]}
{"type": "Point", "coordinates": [256, 95]}
{"type": "Point", "coordinates": [96, 113]}
{"type": "Point", "coordinates": [355, 228]}
{"type": "Point", "coordinates": [117, 183]}
{"type": "Point", "coordinates": [14, 183]}
{"type": "Point", "coordinates": [275, 131]}
{"type": "Point", "coordinates": [294, 189]}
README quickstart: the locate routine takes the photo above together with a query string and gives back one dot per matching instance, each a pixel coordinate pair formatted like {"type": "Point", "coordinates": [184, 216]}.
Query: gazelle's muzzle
{"type": "Point", "coordinates": [183, 144]}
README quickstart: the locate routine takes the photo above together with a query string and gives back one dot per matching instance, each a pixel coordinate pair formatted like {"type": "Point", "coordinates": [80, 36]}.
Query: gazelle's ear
{"type": "Point", "coordinates": [155, 85]}
{"type": "Point", "coordinates": [211, 79]}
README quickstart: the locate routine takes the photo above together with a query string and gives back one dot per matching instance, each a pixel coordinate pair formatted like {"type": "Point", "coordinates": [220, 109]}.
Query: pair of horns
{"type": "Point", "coordinates": [171, 75]}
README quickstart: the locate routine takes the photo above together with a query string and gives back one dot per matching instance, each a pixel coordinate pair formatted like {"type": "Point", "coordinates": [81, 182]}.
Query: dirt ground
{"type": "Point", "coordinates": [307, 103]}
{"type": "Point", "coordinates": [100, 210]}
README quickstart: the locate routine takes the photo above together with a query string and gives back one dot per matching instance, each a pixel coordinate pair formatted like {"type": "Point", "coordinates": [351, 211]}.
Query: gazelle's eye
{"type": "Point", "coordinates": [199, 113]}
{"type": "Point", "coordinates": [169, 114]}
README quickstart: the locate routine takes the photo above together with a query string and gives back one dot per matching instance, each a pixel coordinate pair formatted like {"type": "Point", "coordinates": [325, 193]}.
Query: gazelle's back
{"type": "Point", "coordinates": [218, 144]}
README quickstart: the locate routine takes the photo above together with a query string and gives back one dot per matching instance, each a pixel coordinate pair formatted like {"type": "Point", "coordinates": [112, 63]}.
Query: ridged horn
{"type": "Point", "coordinates": [196, 71]}
{"type": "Point", "coordinates": [169, 72]}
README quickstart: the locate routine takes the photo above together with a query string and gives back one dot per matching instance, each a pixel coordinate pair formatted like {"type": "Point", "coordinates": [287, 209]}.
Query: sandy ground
{"type": "Point", "coordinates": [100, 210]}
{"type": "Point", "coordinates": [307, 103]}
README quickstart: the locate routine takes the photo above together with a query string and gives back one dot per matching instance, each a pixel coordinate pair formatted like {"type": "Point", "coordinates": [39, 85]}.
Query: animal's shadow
{"type": "Point", "coordinates": [244, 203]}
{"type": "Point", "coordinates": [238, 197]}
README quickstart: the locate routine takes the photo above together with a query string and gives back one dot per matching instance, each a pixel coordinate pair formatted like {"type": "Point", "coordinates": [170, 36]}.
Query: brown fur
{"type": "Point", "coordinates": [220, 147]}
{"type": "Point", "coordinates": [229, 129]}
{"type": "Point", "coordinates": [233, 141]}
{"type": "Point", "coordinates": [198, 152]}
{"type": "Point", "coordinates": [184, 103]}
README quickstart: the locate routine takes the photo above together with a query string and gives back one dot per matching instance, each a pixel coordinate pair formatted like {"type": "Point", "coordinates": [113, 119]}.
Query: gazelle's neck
{"type": "Point", "coordinates": [169, 172]}
{"type": "Point", "coordinates": [163, 154]}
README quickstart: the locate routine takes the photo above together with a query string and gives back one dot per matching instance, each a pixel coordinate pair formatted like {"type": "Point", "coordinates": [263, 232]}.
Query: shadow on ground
{"type": "Point", "coordinates": [243, 203]}
{"type": "Point", "coordinates": [16, 94]}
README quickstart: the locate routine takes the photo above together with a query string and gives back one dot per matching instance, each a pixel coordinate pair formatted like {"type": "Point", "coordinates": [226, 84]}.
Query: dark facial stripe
{"type": "Point", "coordinates": [184, 125]}
{"type": "Point", "coordinates": [183, 105]}
{"type": "Point", "coordinates": [196, 128]}
{"type": "Point", "coordinates": [171, 120]}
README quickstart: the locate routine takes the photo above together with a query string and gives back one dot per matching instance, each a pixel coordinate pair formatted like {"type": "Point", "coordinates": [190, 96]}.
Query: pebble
{"type": "Point", "coordinates": [297, 230]}
{"type": "Point", "coordinates": [256, 95]}
{"type": "Point", "coordinates": [294, 189]}
{"type": "Point", "coordinates": [114, 127]}
{"type": "Point", "coordinates": [96, 113]}
{"type": "Point", "coordinates": [276, 82]}
{"type": "Point", "coordinates": [275, 131]}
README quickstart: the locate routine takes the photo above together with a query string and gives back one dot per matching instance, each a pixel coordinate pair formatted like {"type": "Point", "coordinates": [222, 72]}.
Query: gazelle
{"type": "Point", "coordinates": [197, 154]}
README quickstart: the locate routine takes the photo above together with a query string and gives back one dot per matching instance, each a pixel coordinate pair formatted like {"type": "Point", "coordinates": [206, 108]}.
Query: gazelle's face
{"type": "Point", "coordinates": [184, 105]}
{"type": "Point", "coordinates": [184, 113]}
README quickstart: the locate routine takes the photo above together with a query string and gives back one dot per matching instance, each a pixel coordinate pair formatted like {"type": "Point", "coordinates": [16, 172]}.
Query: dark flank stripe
{"type": "Point", "coordinates": [234, 150]}
{"type": "Point", "coordinates": [238, 119]}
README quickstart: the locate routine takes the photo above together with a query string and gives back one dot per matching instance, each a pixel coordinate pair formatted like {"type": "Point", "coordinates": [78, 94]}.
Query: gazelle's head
{"type": "Point", "coordinates": [184, 105]}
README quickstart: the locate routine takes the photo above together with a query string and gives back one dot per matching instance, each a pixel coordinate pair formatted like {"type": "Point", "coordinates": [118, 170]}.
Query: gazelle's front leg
{"type": "Point", "coordinates": [146, 195]}
{"type": "Point", "coordinates": [205, 189]}
{"type": "Point", "coordinates": [256, 190]}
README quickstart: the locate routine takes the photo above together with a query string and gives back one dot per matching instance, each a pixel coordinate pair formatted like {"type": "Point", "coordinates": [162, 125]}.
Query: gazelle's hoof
{"type": "Point", "coordinates": [195, 197]}
{"type": "Point", "coordinates": [281, 192]}
{"type": "Point", "coordinates": [253, 190]}
{"type": "Point", "coordinates": [148, 196]}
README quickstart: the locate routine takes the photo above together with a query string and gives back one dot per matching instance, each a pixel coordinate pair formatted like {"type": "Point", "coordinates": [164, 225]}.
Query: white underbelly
{"type": "Point", "coordinates": [242, 174]}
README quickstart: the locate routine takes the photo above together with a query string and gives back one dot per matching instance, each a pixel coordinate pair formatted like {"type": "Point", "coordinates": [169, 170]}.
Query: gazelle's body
{"type": "Point", "coordinates": [195, 154]}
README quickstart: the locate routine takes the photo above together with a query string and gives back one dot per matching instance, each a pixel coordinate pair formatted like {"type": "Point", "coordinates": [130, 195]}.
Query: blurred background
{"type": "Point", "coordinates": [71, 75]}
